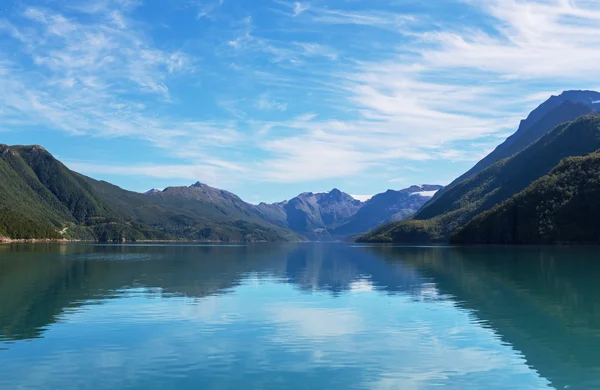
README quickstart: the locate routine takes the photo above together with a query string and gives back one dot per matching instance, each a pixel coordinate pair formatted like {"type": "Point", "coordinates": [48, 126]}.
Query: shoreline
{"type": "Point", "coordinates": [4, 240]}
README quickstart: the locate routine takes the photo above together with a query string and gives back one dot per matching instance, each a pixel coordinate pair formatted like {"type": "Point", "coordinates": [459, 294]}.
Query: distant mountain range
{"type": "Point", "coordinates": [564, 126]}
{"type": "Point", "coordinates": [40, 198]}
{"type": "Point", "coordinates": [337, 215]}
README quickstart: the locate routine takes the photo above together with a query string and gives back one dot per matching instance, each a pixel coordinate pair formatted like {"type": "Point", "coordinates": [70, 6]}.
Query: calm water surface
{"type": "Point", "coordinates": [298, 316]}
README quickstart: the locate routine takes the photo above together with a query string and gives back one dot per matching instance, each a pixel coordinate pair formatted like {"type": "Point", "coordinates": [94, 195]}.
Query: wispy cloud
{"type": "Point", "coordinates": [287, 52]}
{"type": "Point", "coordinates": [299, 8]}
{"type": "Point", "coordinates": [96, 78]}
{"type": "Point", "coordinates": [205, 10]}
{"type": "Point", "coordinates": [380, 19]}
{"type": "Point", "coordinates": [532, 40]}
{"type": "Point", "coordinates": [397, 180]}
{"type": "Point", "coordinates": [213, 172]}
{"type": "Point", "coordinates": [265, 103]}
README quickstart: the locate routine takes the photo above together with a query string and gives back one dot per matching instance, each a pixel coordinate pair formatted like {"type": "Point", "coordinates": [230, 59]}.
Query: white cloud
{"type": "Point", "coordinates": [380, 19]}
{"type": "Point", "coordinates": [397, 180]}
{"type": "Point", "coordinates": [305, 158]}
{"type": "Point", "coordinates": [85, 74]}
{"type": "Point", "coordinates": [207, 10]}
{"type": "Point", "coordinates": [299, 8]}
{"type": "Point", "coordinates": [264, 103]}
{"type": "Point", "coordinates": [213, 173]}
{"type": "Point", "coordinates": [414, 112]}
{"type": "Point", "coordinates": [316, 50]}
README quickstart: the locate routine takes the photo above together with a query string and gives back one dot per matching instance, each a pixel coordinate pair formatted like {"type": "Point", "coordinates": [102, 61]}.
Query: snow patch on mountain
{"type": "Point", "coordinates": [426, 194]}
{"type": "Point", "coordinates": [362, 198]}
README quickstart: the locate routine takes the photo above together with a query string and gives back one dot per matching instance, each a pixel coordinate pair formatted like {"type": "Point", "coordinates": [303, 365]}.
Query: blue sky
{"type": "Point", "coordinates": [271, 98]}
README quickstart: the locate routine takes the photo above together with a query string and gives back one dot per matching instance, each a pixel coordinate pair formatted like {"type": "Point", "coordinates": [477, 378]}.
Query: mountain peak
{"type": "Point", "coordinates": [337, 196]}
{"type": "Point", "coordinates": [152, 191]}
{"type": "Point", "coordinates": [576, 96]}
{"type": "Point", "coordinates": [28, 148]}
{"type": "Point", "coordinates": [197, 184]}
{"type": "Point", "coordinates": [580, 95]}
{"type": "Point", "coordinates": [334, 194]}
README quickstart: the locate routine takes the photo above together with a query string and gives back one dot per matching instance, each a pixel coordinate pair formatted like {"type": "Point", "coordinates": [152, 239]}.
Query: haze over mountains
{"type": "Point", "coordinates": [564, 126]}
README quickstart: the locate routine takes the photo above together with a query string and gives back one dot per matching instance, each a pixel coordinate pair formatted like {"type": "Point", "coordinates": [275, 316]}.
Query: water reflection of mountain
{"type": "Point", "coordinates": [38, 282]}
{"type": "Point", "coordinates": [543, 302]}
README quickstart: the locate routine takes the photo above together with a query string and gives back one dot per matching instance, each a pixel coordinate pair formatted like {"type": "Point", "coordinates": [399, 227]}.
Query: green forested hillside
{"type": "Point", "coordinates": [561, 207]}
{"type": "Point", "coordinates": [459, 204]}
{"type": "Point", "coordinates": [40, 198]}
{"type": "Point", "coordinates": [197, 212]}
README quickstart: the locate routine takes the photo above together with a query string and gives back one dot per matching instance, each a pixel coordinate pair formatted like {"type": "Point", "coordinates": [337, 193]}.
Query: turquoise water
{"type": "Point", "coordinates": [298, 316]}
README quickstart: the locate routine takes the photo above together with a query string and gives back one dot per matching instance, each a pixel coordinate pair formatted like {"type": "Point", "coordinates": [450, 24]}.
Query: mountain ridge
{"type": "Point", "coordinates": [337, 215]}
{"type": "Point", "coordinates": [574, 104]}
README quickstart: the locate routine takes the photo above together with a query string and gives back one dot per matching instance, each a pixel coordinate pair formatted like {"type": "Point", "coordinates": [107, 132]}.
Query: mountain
{"type": "Point", "coordinates": [312, 215]}
{"type": "Point", "coordinates": [430, 224]}
{"type": "Point", "coordinates": [40, 198]}
{"type": "Point", "coordinates": [560, 207]}
{"type": "Point", "coordinates": [390, 206]}
{"type": "Point", "coordinates": [565, 107]}
{"type": "Point", "coordinates": [336, 215]}
{"type": "Point", "coordinates": [198, 212]}
{"type": "Point", "coordinates": [495, 184]}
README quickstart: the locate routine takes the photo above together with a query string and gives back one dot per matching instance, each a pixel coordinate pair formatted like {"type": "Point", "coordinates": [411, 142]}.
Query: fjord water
{"type": "Point", "coordinates": [298, 316]}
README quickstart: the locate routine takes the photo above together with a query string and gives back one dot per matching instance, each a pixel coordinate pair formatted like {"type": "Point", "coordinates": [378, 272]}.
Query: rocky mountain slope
{"type": "Point", "coordinates": [337, 215]}
{"type": "Point", "coordinates": [390, 206]}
